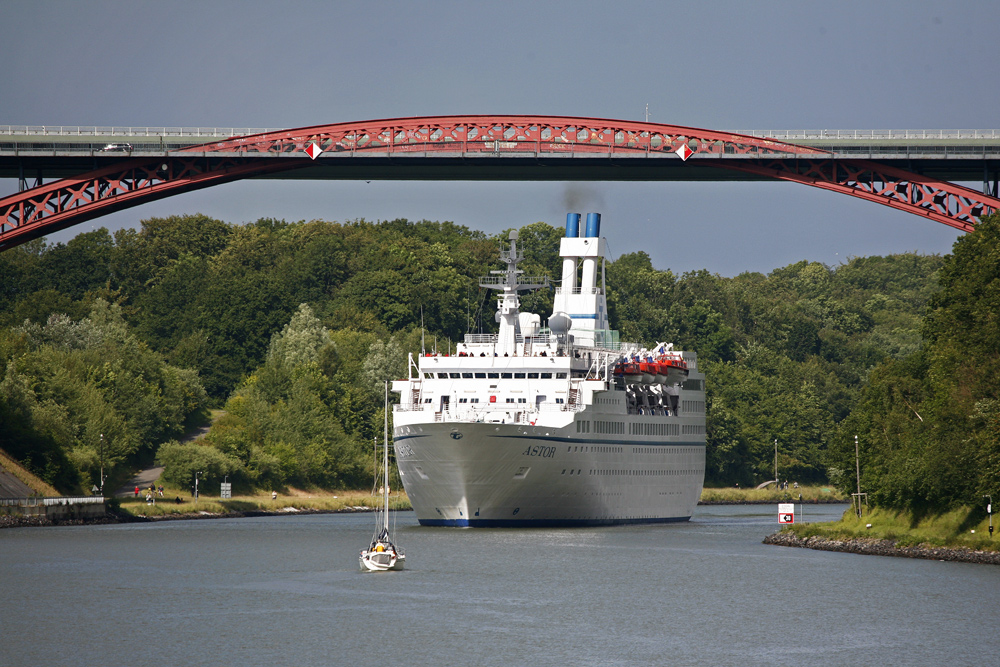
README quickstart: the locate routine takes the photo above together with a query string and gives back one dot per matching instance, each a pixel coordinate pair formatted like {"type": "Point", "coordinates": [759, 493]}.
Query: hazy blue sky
{"type": "Point", "coordinates": [719, 65]}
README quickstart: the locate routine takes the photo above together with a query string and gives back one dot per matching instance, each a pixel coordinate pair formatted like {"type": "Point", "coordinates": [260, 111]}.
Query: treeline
{"type": "Point", "coordinates": [292, 327]}
{"type": "Point", "coordinates": [929, 423]}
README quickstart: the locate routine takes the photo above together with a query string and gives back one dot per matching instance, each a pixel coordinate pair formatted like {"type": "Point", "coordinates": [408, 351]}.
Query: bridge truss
{"type": "Point", "coordinates": [471, 148]}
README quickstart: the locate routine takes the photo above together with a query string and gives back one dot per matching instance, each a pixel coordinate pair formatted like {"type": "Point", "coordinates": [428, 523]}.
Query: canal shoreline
{"type": "Point", "coordinates": [882, 547]}
{"type": "Point", "coordinates": [111, 517]}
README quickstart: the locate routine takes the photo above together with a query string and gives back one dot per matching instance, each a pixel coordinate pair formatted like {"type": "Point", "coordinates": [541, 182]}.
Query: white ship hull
{"type": "Point", "coordinates": [523, 475]}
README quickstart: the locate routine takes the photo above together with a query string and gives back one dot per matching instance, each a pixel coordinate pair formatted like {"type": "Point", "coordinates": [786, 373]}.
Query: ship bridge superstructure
{"type": "Point", "coordinates": [529, 374]}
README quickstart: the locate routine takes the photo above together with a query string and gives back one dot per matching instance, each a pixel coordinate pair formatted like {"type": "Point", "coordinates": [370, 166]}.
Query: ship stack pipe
{"type": "Point", "coordinates": [588, 282]}
{"type": "Point", "coordinates": [569, 263]}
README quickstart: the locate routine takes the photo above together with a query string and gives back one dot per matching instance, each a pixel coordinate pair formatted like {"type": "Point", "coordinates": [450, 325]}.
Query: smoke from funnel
{"type": "Point", "coordinates": [578, 197]}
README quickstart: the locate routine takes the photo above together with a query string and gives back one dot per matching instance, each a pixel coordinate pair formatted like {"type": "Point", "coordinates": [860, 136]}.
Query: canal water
{"type": "Point", "coordinates": [287, 591]}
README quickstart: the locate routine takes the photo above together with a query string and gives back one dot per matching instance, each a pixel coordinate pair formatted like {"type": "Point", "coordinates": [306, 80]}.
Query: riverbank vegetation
{"type": "Point", "coordinates": [955, 528]}
{"type": "Point", "coordinates": [292, 328]}
{"type": "Point", "coordinates": [176, 505]}
{"type": "Point", "coordinates": [753, 496]}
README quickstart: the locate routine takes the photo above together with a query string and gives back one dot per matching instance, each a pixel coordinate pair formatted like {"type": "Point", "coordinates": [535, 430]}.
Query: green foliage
{"type": "Point", "coordinates": [182, 461]}
{"type": "Point", "coordinates": [927, 424]}
{"type": "Point", "coordinates": [785, 354]}
{"type": "Point", "coordinates": [294, 326]}
{"type": "Point", "coordinates": [73, 393]}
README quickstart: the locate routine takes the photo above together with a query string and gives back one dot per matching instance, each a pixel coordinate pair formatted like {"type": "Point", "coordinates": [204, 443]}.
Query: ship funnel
{"type": "Point", "coordinates": [569, 262]}
{"type": "Point", "coordinates": [572, 225]}
{"type": "Point", "coordinates": [588, 281]}
{"type": "Point", "coordinates": [593, 225]}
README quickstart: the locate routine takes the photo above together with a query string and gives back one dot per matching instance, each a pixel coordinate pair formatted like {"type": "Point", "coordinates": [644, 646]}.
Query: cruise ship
{"type": "Point", "coordinates": [563, 425]}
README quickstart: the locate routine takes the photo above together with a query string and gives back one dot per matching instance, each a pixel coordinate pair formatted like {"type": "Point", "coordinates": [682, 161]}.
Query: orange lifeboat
{"type": "Point", "coordinates": [673, 369]}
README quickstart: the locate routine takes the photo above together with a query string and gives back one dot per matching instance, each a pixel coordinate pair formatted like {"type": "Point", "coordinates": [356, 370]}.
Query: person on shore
{"type": "Point", "coordinates": [274, 495]}
{"type": "Point", "coordinates": [136, 490]}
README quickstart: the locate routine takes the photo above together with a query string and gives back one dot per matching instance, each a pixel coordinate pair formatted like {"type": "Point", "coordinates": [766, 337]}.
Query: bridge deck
{"type": "Point", "coordinates": [62, 152]}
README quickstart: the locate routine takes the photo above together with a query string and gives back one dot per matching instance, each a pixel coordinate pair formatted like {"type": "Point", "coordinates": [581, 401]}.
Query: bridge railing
{"type": "Point", "coordinates": [213, 132]}
{"type": "Point", "coordinates": [112, 131]}
{"type": "Point", "coordinates": [799, 135]}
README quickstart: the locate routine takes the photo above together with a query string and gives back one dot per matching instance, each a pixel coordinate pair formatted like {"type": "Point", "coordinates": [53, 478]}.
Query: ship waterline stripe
{"type": "Point", "coordinates": [540, 523]}
{"type": "Point", "coordinates": [575, 441]}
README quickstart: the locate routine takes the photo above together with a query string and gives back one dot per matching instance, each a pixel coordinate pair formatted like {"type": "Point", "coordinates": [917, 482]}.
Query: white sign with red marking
{"type": "Point", "coordinates": [684, 152]}
{"type": "Point", "coordinates": [313, 150]}
{"type": "Point", "coordinates": [786, 512]}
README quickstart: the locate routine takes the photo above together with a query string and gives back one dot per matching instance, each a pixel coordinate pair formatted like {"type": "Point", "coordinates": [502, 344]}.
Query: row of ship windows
{"type": "Point", "coordinates": [693, 406]}
{"type": "Point", "coordinates": [600, 449]}
{"type": "Point", "coordinates": [659, 450]}
{"type": "Point", "coordinates": [654, 429]}
{"type": "Point", "coordinates": [504, 376]}
{"type": "Point", "coordinates": [634, 473]}
{"type": "Point", "coordinates": [610, 449]}
{"type": "Point", "coordinates": [493, 400]}
{"type": "Point", "coordinates": [618, 428]}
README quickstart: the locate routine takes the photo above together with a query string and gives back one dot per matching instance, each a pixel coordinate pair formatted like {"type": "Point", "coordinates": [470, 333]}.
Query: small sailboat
{"type": "Point", "coordinates": [382, 553]}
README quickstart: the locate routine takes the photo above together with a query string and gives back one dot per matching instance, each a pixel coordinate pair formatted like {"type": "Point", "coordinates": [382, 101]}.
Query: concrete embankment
{"type": "Point", "coordinates": [877, 547]}
{"type": "Point", "coordinates": [34, 511]}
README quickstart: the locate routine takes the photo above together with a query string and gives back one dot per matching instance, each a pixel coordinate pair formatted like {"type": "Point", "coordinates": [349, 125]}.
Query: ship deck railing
{"type": "Point", "coordinates": [520, 415]}
{"type": "Point", "coordinates": [491, 339]}
{"type": "Point", "coordinates": [602, 340]}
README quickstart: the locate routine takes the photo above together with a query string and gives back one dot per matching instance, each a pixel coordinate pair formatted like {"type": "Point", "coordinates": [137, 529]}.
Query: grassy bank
{"type": "Point", "coordinates": [22, 473]}
{"type": "Point", "coordinates": [955, 529]}
{"type": "Point", "coordinates": [734, 496]}
{"type": "Point", "coordinates": [294, 500]}
{"type": "Point", "coordinates": [342, 501]}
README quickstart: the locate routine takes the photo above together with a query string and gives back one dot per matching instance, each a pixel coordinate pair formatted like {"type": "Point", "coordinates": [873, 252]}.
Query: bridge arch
{"type": "Point", "coordinates": [479, 148]}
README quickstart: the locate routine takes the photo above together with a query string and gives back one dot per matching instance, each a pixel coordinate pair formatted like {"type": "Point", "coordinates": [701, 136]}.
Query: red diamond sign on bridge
{"type": "Point", "coordinates": [684, 151]}
{"type": "Point", "coordinates": [313, 150]}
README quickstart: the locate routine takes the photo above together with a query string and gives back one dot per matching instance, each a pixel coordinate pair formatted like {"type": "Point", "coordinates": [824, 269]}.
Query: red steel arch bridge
{"type": "Point", "coordinates": [71, 175]}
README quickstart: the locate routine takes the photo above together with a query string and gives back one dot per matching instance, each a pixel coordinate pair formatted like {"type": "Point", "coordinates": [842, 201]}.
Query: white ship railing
{"type": "Point", "coordinates": [491, 339]}
{"type": "Point", "coordinates": [500, 281]}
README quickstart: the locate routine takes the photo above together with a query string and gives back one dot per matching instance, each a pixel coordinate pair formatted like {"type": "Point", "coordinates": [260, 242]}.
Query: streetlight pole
{"type": "Point", "coordinates": [989, 511]}
{"type": "Point", "coordinates": [776, 484]}
{"type": "Point", "coordinates": [102, 464]}
{"type": "Point", "coordinates": [857, 464]}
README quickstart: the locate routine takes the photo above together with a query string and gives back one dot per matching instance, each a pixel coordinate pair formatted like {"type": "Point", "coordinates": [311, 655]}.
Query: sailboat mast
{"type": "Point", "coordinates": [385, 455]}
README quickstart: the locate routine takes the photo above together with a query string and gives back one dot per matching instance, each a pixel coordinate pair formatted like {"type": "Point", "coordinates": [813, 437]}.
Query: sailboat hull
{"type": "Point", "coordinates": [381, 561]}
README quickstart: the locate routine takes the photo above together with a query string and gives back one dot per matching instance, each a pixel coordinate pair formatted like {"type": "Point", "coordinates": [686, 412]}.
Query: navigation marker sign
{"type": "Point", "coordinates": [313, 150]}
{"type": "Point", "coordinates": [684, 152]}
{"type": "Point", "coordinates": [786, 512]}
